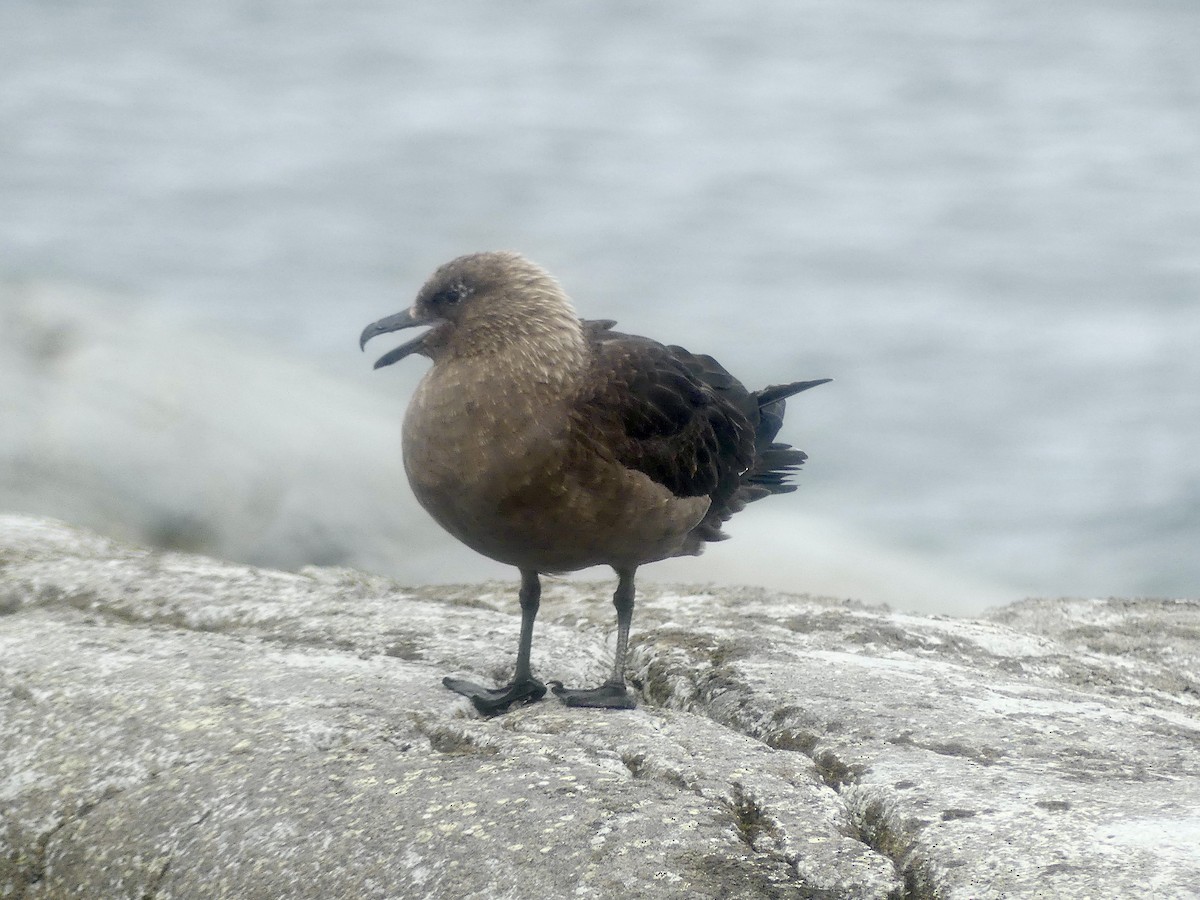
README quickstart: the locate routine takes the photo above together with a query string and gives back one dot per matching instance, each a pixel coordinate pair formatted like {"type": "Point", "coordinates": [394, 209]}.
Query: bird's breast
{"type": "Point", "coordinates": [497, 465]}
{"type": "Point", "coordinates": [471, 443]}
{"type": "Point", "coordinates": [469, 436]}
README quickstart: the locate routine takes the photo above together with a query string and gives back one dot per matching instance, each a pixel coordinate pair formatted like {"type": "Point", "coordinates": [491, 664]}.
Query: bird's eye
{"type": "Point", "coordinates": [450, 296]}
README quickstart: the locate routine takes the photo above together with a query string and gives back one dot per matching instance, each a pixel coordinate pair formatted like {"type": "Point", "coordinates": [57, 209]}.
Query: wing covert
{"type": "Point", "coordinates": [659, 418]}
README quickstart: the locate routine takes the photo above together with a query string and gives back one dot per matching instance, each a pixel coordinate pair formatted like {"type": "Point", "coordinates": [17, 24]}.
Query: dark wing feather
{"type": "Point", "coordinates": [683, 420]}
{"type": "Point", "coordinates": [649, 408]}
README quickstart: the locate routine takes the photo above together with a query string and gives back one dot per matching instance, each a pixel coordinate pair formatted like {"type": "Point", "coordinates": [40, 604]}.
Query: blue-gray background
{"type": "Point", "coordinates": [983, 219]}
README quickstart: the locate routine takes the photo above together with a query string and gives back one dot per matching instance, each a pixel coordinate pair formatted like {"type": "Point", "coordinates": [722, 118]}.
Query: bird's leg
{"type": "Point", "coordinates": [524, 688]}
{"type": "Point", "coordinates": [612, 694]}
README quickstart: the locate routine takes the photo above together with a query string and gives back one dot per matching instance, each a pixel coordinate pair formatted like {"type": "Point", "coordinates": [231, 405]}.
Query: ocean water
{"type": "Point", "coordinates": [983, 220]}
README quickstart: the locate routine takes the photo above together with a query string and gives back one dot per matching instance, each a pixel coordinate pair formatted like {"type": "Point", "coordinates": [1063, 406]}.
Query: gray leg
{"type": "Point", "coordinates": [612, 694]}
{"type": "Point", "coordinates": [524, 688]}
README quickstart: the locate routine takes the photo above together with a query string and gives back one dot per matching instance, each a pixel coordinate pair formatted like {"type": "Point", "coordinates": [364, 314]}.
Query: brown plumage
{"type": "Point", "coordinates": [554, 444]}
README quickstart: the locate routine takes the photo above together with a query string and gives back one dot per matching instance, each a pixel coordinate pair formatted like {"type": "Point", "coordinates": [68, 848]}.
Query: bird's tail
{"type": "Point", "coordinates": [773, 462]}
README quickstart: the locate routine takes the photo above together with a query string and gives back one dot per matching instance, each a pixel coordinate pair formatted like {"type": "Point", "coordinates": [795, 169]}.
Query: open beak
{"type": "Point", "coordinates": [400, 320]}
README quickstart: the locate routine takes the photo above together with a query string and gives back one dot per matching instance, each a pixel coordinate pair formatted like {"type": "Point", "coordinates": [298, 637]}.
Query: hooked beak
{"type": "Point", "coordinates": [400, 320]}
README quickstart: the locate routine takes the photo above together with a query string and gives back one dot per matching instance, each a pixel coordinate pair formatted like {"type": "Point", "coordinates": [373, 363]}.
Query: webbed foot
{"type": "Point", "coordinates": [491, 701]}
{"type": "Point", "coordinates": [610, 695]}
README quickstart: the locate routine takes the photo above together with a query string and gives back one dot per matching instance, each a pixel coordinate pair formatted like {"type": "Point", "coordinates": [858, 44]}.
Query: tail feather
{"type": "Point", "coordinates": [774, 462]}
{"type": "Point", "coordinates": [769, 395]}
{"type": "Point", "coordinates": [771, 407]}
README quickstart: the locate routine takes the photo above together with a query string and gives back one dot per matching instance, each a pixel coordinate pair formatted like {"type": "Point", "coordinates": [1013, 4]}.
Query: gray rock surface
{"type": "Point", "coordinates": [173, 726]}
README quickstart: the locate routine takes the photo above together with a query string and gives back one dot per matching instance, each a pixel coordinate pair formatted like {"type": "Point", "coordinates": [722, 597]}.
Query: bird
{"type": "Point", "coordinates": [553, 443]}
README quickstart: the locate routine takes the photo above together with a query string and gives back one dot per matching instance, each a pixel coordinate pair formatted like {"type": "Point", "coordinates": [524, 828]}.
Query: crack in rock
{"type": "Point", "coordinates": [35, 868]}
{"type": "Point", "coordinates": [877, 823]}
{"type": "Point", "coordinates": [717, 694]}
{"type": "Point", "coordinates": [156, 882]}
{"type": "Point", "coordinates": [758, 830]}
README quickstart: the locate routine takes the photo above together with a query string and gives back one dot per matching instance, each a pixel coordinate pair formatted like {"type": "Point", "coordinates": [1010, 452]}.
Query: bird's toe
{"type": "Point", "coordinates": [610, 695]}
{"type": "Point", "coordinates": [491, 701]}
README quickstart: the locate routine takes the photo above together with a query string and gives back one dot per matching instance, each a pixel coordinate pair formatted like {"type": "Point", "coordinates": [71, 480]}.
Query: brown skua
{"type": "Point", "coordinates": [552, 443]}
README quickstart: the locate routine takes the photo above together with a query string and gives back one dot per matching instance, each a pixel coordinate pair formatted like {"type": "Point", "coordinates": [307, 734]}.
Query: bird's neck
{"type": "Point", "coordinates": [535, 356]}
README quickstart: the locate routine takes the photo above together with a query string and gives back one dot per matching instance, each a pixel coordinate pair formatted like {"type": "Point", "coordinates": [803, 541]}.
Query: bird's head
{"type": "Point", "coordinates": [485, 303]}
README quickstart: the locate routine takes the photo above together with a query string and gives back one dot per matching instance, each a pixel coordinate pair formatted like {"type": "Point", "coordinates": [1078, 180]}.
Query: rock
{"type": "Point", "coordinates": [174, 726]}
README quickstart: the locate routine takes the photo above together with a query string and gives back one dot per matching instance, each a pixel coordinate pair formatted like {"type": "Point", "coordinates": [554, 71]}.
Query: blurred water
{"type": "Point", "coordinates": [983, 219]}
